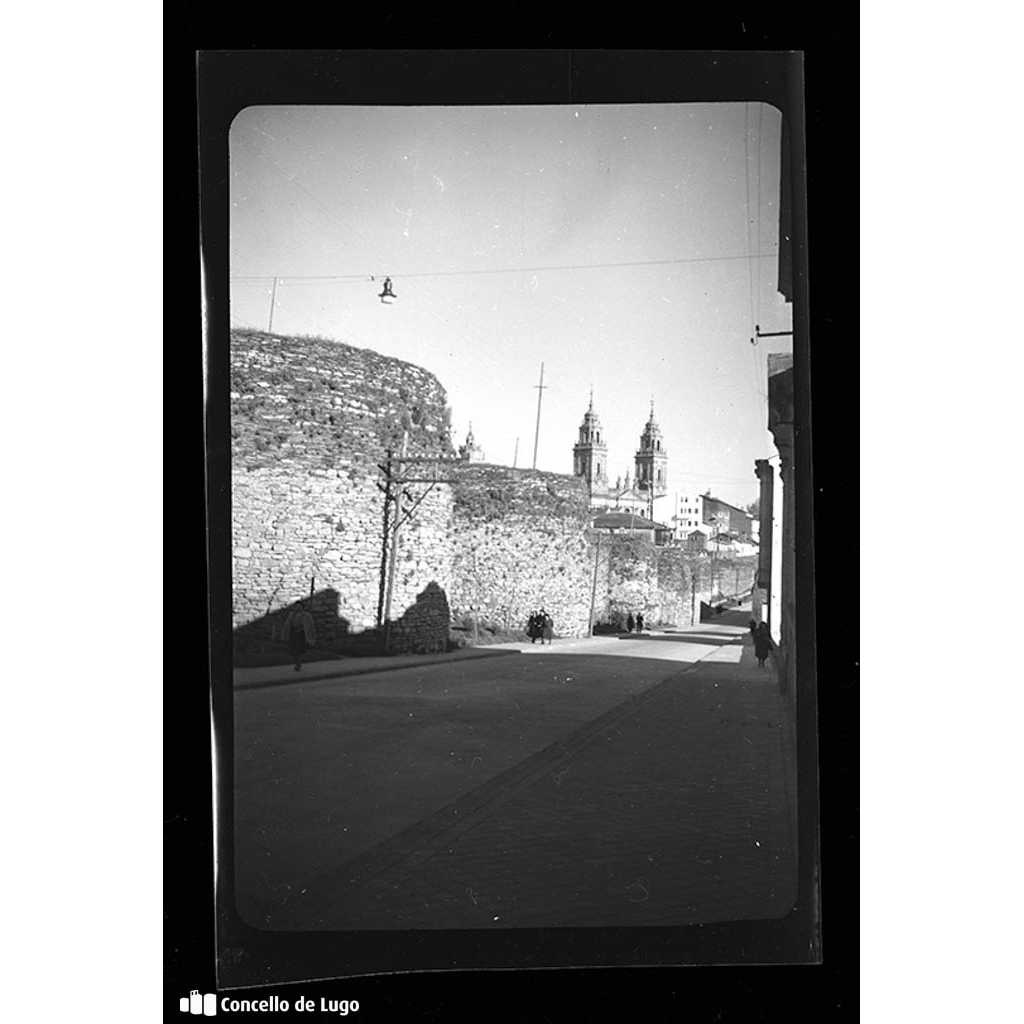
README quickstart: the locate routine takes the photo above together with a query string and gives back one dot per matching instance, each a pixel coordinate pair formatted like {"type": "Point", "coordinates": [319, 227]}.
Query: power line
{"type": "Point", "coordinates": [345, 225]}
{"type": "Point", "coordinates": [746, 172]}
{"type": "Point", "coordinates": [285, 279]}
{"type": "Point", "coordinates": [760, 121]}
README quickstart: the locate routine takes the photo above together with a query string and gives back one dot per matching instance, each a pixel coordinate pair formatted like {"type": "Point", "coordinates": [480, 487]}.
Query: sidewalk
{"type": "Point", "coordinates": [675, 807]}
{"type": "Point", "coordinates": [280, 675]}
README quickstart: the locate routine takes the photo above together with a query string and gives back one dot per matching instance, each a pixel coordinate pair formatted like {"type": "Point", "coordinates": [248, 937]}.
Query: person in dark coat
{"type": "Point", "coordinates": [763, 643]}
{"type": "Point", "coordinates": [299, 633]}
{"type": "Point", "coordinates": [639, 622]}
{"type": "Point", "coordinates": [753, 627]}
{"type": "Point", "coordinates": [547, 627]}
{"type": "Point", "coordinates": [629, 623]}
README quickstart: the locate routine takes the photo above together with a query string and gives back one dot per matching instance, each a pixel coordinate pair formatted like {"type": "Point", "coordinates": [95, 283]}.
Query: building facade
{"type": "Point", "coordinates": [637, 494]}
{"type": "Point", "coordinates": [699, 517]}
{"type": "Point", "coordinates": [725, 518]}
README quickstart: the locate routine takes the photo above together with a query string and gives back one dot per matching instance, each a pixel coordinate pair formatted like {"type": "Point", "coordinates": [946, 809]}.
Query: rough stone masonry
{"type": "Point", "coordinates": [312, 419]}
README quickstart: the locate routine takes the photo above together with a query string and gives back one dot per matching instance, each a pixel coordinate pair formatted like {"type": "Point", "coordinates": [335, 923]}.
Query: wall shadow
{"type": "Point", "coordinates": [433, 747]}
{"type": "Point", "coordinates": [258, 642]}
{"type": "Point", "coordinates": [423, 628]}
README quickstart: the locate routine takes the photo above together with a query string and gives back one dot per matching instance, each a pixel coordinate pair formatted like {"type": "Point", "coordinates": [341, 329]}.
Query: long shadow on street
{"type": "Point", "coordinates": [565, 788]}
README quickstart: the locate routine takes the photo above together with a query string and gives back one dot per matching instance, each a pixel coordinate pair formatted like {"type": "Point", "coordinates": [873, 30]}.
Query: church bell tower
{"type": "Point", "coordinates": [652, 461]}
{"type": "Point", "coordinates": [590, 453]}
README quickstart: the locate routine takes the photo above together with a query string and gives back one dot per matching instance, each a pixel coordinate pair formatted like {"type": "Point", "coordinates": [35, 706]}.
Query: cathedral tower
{"type": "Point", "coordinates": [652, 460]}
{"type": "Point", "coordinates": [590, 453]}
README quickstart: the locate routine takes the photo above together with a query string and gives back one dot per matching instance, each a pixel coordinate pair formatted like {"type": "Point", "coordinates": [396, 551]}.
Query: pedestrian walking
{"type": "Point", "coordinates": [630, 622]}
{"type": "Point", "coordinates": [532, 628]}
{"type": "Point", "coordinates": [639, 622]}
{"type": "Point", "coordinates": [753, 627]}
{"type": "Point", "coordinates": [547, 627]}
{"type": "Point", "coordinates": [763, 643]}
{"type": "Point", "coordinates": [299, 633]}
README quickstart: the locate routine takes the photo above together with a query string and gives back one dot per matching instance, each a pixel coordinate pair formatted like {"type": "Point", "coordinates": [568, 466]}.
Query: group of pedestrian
{"type": "Point", "coordinates": [540, 626]}
{"type": "Point", "coordinates": [638, 622]}
{"type": "Point", "coordinates": [763, 642]}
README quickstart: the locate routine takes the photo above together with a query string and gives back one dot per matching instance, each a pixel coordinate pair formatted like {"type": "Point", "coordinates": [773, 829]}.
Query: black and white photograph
{"type": "Point", "coordinates": [521, 590]}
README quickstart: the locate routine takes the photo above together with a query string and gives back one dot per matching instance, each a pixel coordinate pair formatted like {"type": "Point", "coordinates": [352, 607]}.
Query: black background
{"type": "Point", "coordinates": [722, 993]}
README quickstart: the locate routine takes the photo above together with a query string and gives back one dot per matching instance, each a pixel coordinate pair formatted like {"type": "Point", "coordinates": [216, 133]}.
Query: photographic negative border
{"type": "Point", "coordinates": [231, 80]}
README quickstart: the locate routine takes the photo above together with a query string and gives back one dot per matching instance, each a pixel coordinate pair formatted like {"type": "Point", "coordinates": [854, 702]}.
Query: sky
{"type": "Point", "coordinates": [628, 248]}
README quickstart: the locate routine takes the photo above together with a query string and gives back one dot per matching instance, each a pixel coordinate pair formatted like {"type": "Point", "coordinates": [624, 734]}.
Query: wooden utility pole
{"type": "Point", "coordinates": [515, 457]}
{"type": "Point", "coordinates": [398, 472]}
{"type": "Point", "coordinates": [593, 589]}
{"type": "Point", "coordinates": [273, 303]}
{"type": "Point", "coordinates": [540, 395]}
{"type": "Point", "coordinates": [387, 468]}
{"type": "Point", "coordinates": [396, 530]}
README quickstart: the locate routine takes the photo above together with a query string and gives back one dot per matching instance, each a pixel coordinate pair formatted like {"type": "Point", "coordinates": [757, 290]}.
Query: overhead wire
{"type": "Point", "coordinates": [750, 248]}
{"type": "Point", "coordinates": [292, 180]}
{"type": "Point", "coordinates": [418, 277]}
{"type": "Point", "coordinates": [760, 121]}
{"type": "Point", "coordinates": [746, 173]}
{"type": "Point", "coordinates": [470, 272]}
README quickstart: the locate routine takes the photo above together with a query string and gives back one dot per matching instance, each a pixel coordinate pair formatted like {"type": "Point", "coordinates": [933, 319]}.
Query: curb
{"type": "Point", "coordinates": [343, 671]}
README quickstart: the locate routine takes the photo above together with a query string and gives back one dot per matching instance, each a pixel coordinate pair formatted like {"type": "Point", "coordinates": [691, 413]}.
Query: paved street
{"type": "Point", "coordinates": [639, 780]}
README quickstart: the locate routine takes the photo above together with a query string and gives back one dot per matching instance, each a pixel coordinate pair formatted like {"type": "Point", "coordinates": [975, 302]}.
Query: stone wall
{"type": "Point", "coordinates": [310, 420]}
{"type": "Point", "coordinates": [425, 626]}
{"type": "Point", "coordinates": [667, 584]}
{"type": "Point", "coordinates": [519, 543]}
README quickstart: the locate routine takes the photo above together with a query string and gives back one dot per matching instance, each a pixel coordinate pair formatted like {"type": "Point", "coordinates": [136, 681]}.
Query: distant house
{"type": "Point", "coordinates": [726, 518]}
{"type": "Point", "coordinates": [695, 541]}
{"type": "Point", "coordinates": [709, 516]}
{"type": "Point", "coordinates": [633, 525]}
{"type": "Point", "coordinates": [732, 544]}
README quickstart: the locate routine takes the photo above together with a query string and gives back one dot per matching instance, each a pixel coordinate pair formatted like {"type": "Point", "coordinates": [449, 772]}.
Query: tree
{"type": "Point", "coordinates": [754, 508]}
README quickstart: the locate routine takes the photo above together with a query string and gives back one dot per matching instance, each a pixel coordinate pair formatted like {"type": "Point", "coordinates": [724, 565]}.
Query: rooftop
{"type": "Point", "coordinates": [625, 521]}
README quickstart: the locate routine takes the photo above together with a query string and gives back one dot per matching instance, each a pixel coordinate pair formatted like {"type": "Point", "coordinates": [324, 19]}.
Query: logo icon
{"type": "Point", "coordinates": [195, 1003]}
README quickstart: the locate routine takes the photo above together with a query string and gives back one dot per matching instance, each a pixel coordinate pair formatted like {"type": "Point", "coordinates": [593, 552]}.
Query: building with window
{"type": "Point", "coordinates": [725, 518]}
{"type": "Point", "coordinates": [706, 516]}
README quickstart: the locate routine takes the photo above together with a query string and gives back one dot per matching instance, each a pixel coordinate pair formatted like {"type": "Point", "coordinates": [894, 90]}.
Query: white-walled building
{"type": "Point", "coordinates": [689, 515]}
{"type": "Point", "coordinates": [710, 516]}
